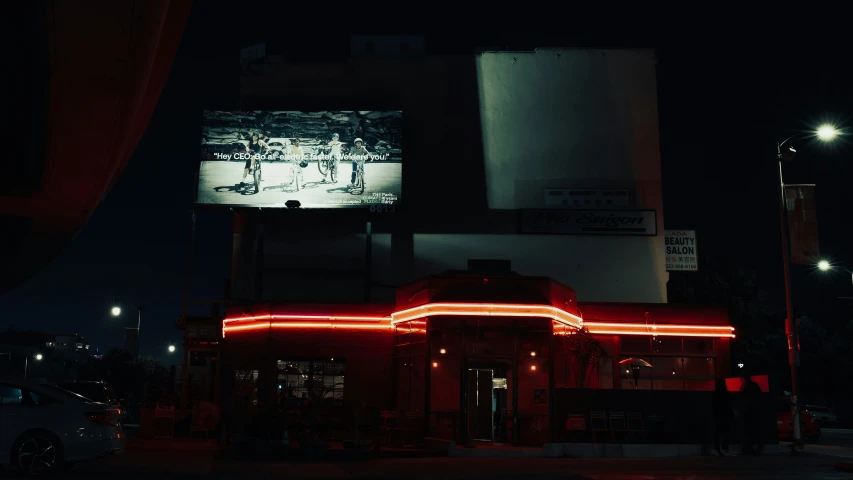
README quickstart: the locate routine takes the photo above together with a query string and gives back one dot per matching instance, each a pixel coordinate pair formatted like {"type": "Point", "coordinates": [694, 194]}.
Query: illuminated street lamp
{"type": "Point", "coordinates": [37, 356]}
{"type": "Point", "coordinates": [171, 349]}
{"type": "Point", "coordinates": [116, 311]}
{"type": "Point", "coordinates": [827, 132]}
{"type": "Point", "coordinates": [825, 266]}
{"type": "Point", "coordinates": [824, 133]}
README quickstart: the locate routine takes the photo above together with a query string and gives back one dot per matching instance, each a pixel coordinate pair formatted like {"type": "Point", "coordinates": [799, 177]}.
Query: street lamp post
{"type": "Point", "coordinates": [824, 133]}
{"type": "Point", "coordinates": [116, 311]}
{"type": "Point", "coordinates": [37, 356]}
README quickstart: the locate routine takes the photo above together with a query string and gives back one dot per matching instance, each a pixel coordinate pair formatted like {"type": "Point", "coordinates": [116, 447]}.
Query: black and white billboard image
{"type": "Point", "coordinates": [319, 159]}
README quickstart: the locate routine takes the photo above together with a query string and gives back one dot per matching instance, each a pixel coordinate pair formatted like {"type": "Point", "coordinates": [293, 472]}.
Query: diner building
{"type": "Point", "coordinates": [473, 355]}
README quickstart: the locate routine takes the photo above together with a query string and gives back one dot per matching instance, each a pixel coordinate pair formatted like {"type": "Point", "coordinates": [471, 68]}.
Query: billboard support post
{"type": "Point", "coordinates": [259, 263]}
{"type": "Point", "coordinates": [368, 257]}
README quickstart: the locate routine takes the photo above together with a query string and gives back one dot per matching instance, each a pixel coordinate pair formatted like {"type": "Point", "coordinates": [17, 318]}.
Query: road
{"type": "Point", "coordinates": [836, 436]}
{"type": "Point", "coordinates": [168, 465]}
{"type": "Point", "coordinates": [219, 184]}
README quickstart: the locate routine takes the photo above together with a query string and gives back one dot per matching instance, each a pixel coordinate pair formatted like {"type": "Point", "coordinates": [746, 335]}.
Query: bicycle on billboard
{"type": "Point", "coordinates": [257, 171]}
{"type": "Point", "coordinates": [359, 155]}
{"type": "Point", "coordinates": [330, 158]}
{"type": "Point", "coordinates": [257, 149]}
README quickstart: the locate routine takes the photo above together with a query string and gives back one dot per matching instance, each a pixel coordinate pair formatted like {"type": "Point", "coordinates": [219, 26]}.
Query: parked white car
{"type": "Point", "coordinates": [45, 428]}
{"type": "Point", "coordinates": [823, 414]}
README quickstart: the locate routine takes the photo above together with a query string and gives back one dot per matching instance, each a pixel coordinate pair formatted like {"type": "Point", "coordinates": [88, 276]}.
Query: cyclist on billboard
{"type": "Point", "coordinates": [296, 158]}
{"type": "Point", "coordinates": [255, 147]}
{"type": "Point", "coordinates": [295, 153]}
{"type": "Point", "coordinates": [359, 155]}
{"type": "Point", "coordinates": [335, 152]}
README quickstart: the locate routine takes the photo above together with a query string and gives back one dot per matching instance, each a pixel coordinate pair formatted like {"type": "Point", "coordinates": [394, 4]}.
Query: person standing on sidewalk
{"type": "Point", "coordinates": [751, 417]}
{"type": "Point", "coordinates": [723, 416]}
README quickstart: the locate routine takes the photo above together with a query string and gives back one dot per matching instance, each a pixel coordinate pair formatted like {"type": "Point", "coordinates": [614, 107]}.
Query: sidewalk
{"type": "Point", "coordinates": [837, 451]}
{"type": "Point", "coordinates": [137, 444]}
{"type": "Point", "coordinates": [588, 450]}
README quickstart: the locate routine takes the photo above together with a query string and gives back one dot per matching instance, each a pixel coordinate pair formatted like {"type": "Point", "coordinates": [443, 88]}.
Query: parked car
{"type": "Point", "coordinates": [46, 428]}
{"type": "Point", "coordinates": [809, 424]}
{"type": "Point", "coordinates": [823, 414]}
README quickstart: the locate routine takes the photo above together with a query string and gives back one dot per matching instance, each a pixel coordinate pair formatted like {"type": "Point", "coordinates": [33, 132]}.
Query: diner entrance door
{"type": "Point", "coordinates": [481, 404]}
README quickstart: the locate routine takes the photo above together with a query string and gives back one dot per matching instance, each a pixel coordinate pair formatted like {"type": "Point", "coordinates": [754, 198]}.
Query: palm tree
{"type": "Point", "coordinates": [583, 352]}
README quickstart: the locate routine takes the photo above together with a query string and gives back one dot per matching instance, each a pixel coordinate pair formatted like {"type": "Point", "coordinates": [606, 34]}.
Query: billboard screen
{"type": "Point", "coordinates": [326, 159]}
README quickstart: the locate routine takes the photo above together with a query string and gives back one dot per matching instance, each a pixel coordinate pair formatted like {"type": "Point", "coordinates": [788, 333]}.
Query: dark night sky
{"type": "Point", "coordinates": [722, 107]}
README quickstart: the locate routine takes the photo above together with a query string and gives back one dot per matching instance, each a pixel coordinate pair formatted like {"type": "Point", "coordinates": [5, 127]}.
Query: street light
{"type": "Point", "coordinates": [825, 266]}
{"type": "Point", "coordinates": [827, 132]}
{"type": "Point", "coordinates": [171, 349]}
{"type": "Point", "coordinates": [37, 356]}
{"type": "Point", "coordinates": [824, 133]}
{"type": "Point", "coordinates": [116, 311]}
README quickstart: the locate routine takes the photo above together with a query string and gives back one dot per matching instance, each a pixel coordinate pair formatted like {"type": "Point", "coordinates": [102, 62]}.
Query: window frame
{"type": "Point", "coordinates": [337, 376]}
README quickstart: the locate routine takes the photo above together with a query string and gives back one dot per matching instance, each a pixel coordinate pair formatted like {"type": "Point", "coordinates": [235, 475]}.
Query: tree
{"type": "Point", "coordinates": [583, 354]}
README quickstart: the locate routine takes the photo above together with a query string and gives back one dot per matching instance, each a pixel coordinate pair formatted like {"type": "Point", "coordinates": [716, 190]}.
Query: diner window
{"type": "Point", "coordinates": [246, 385]}
{"type": "Point", "coordinates": [699, 367]}
{"type": "Point", "coordinates": [312, 379]}
{"type": "Point", "coordinates": [667, 366]}
{"type": "Point", "coordinates": [677, 363]}
{"type": "Point", "coordinates": [666, 345]}
{"type": "Point", "coordinates": [605, 373]}
{"type": "Point", "coordinates": [698, 346]}
{"type": "Point", "coordinates": [636, 344]}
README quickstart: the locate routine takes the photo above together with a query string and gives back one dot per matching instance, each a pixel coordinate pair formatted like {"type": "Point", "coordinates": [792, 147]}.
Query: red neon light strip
{"type": "Point", "coordinates": [410, 316]}
{"type": "Point", "coordinates": [249, 326]}
{"type": "Point", "coordinates": [262, 325]}
{"type": "Point", "coordinates": [246, 319]}
{"type": "Point", "coordinates": [486, 310]}
{"type": "Point", "coordinates": [332, 318]}
{"type": "Point", "coordinates": [602, 328]}
{"type": "Point", "coordinates": [375, 326]}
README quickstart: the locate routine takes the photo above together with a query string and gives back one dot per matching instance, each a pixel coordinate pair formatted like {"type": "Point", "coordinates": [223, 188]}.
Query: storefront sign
{"type": "Point", "coordinates": [586, 197]}
{"type": "Point", "coordinates": [589, 222]}
{"type": "Point", "coordinates": [680, 248]}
